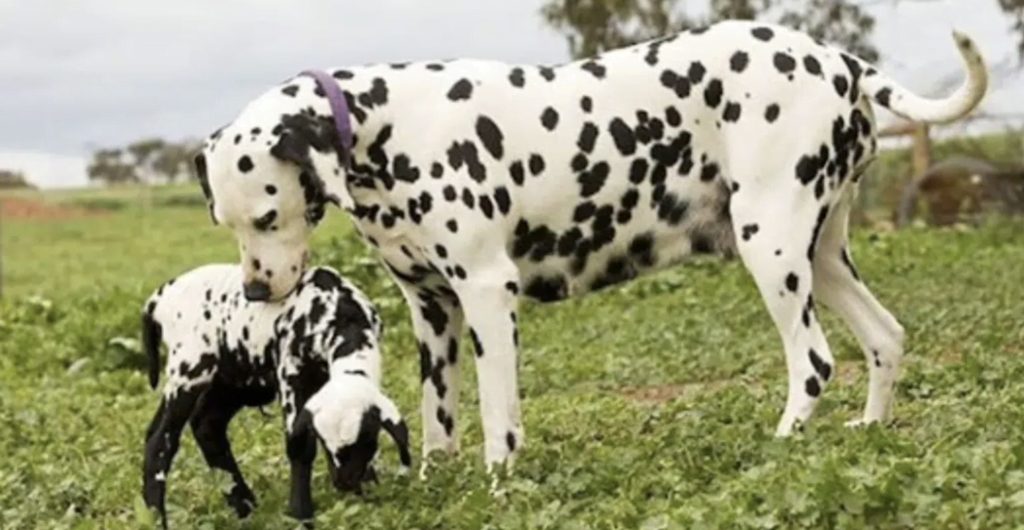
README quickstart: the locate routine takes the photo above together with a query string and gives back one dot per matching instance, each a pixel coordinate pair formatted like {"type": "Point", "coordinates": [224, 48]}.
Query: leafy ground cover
{"type": "Point", "coordinates": [649, 406]}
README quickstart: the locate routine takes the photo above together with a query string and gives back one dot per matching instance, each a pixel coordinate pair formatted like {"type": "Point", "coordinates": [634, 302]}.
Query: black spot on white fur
{"type": "Point", "coordinates": [461, 90]}
{"type": "Point", "coordinates": [326, 320]}
{"type": "Point", "coordinates": [245, 164]}
{"type": "Point", "coordinates": [595, 189]}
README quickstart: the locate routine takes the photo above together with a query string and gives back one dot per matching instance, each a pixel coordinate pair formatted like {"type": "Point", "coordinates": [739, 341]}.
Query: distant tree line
{"type": "Point", "coordinates": [592, 26]}
{"type": "Point", "coordinates": [148, 161]}
{"type": "Point", "coordinates": [12, 179]}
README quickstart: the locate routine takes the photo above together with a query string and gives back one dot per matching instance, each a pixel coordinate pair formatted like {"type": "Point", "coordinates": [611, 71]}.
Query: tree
{"type": "Point", "coordinates": [592, 26]}
{"type": "Point", "coordinates": [144, 152]}
{"type": "Point", "coordinates": [1015, 10]}
{"type": "Point", "coordinates": [10, 179]}
{"type": "Point", "coordinates": [842, 22]}
{"type": "Point", "coordinates": [174, 160]}
{"type": "Point", "coordinates": [108, 165]}
{"type": "Point", "coordinates": [146, 160]}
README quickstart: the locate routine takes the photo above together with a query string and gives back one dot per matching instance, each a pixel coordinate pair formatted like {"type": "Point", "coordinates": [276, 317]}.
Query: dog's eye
{"type": "Point", "coordinates": [264, 222]}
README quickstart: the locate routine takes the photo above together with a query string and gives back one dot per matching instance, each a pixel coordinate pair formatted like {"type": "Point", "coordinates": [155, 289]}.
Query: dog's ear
{"type": "Point", "coordinates": [394, 425]}
{"type": "Point", "coordinates": [303, 140]}
{"type": "Point", "coordinates": [199, 163]}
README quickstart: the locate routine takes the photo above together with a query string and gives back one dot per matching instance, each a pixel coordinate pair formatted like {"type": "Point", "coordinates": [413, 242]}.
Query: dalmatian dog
{"type": "Point", "coordinates": [478, 181]}
{"type": "Point", "coordinates": [317, 350]}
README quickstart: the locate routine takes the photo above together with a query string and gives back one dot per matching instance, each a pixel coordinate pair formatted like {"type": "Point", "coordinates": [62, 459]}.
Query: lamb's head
{"type": "Point", "coordinates": [347, 415]}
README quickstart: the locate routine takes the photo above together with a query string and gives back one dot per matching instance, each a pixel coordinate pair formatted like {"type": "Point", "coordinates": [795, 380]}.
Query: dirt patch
{"type": "Point", "coordinates": [663, 393]}
{"type": "Point", "coordinates": [847, 373]}
{"type": "Point", "coordinates": [22, 208]}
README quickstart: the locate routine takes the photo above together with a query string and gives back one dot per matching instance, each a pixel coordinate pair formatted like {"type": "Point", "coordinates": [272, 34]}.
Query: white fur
{"type": "Point", "coordinates": [224, 352]}
{"type": "Point", "coordinates": [502, 211]}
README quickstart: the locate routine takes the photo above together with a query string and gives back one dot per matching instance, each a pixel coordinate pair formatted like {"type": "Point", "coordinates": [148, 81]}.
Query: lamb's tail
{"type": "Point", "coordinates": [152, 335]}
{"type": "Point", "coordinates": [888, 93]}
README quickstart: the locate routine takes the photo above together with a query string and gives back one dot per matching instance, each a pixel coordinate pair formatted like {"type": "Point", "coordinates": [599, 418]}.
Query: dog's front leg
{"type": "Point", "coordinates": [437, 322]}
{"type": "Point", "coordinates": [488, 296]}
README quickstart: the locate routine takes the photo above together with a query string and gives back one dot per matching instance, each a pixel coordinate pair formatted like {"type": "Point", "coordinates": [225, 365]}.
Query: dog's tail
{"type": "Point", "coordinates": [152, 335]}
{"type": "Point", "coordinates": [906, 104]}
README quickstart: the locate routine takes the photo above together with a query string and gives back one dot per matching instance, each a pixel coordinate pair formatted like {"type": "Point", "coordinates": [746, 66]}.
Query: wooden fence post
{"type": "Point", "coordinates": [1, 251]}
{"type": "Point", "coordinates": [921, 152]}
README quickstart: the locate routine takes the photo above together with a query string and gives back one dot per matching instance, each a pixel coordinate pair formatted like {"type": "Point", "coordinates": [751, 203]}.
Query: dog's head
{"type": "Point", "coordinates": [347, 414]}
{"type": "Point", "coordinates": [268, 176]}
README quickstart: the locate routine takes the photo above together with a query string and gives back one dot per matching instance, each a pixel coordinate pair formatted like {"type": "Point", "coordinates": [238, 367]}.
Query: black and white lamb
{"type": "Point", "coordinates": [317, 351]}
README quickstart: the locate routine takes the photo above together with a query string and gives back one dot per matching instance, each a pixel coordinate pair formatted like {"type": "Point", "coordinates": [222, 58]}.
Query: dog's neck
{"type": "Point", "coordinates": [369, 164]}
{"type": "Point", "coordinates": [369, 168]}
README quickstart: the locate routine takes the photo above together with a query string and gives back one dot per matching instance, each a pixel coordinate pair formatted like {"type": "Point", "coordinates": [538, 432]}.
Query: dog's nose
{"type": "Point", "coordinates": [256, 291]}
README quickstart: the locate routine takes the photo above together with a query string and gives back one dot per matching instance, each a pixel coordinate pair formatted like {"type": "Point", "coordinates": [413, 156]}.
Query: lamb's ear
{"type": "Point", "coordinates": [199, 163]}
{"type": "Point", "coordinates": [309, 143]}
{"type": "Point", "coordinates": [394, 425]}
{"type": "Point", "coordinates": [377, 323]}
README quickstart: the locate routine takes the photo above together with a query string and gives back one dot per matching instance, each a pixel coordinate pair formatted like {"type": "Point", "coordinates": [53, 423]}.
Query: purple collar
{"type": "Point", "coordinates": [339, 105]}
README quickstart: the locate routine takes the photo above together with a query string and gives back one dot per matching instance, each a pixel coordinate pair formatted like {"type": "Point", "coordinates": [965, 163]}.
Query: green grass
{"type": "Point", "coordinates": [650, 406]}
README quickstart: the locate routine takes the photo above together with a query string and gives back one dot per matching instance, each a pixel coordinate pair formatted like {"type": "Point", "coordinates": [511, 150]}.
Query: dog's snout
{"type": "Point", "coordinates": [257, 291]}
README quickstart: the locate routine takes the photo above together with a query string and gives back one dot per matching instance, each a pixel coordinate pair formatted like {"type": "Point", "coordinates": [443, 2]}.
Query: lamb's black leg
{"type": "Point", "coordinates": [210, 429]}
{"type": "Point", "coordinates": [157, 418]}
{"type": "Point", "coordinates": [301, 448]}
{"type": "Point", "coordinates": [162, 444]}
{"type": "Point", "coordinates": [299, 382]}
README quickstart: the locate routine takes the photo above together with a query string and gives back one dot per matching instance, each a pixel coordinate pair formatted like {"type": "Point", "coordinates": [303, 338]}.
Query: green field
{"type": "Point", "coordinates": [649, 406]}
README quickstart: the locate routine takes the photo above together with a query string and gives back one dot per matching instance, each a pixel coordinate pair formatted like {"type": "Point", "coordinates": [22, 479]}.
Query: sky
{"type": "Point", "coordinates": [77, 75]}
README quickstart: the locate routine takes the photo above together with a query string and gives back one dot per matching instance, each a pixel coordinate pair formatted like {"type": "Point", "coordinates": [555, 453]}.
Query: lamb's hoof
{"type": "Point", "coordinates": [151, 498]}
{"type": "Point", "coordinates": [243, 503]}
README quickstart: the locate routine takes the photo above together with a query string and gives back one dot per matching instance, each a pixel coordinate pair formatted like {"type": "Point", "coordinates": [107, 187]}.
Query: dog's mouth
{"type": "Point", "coordinates": [261, 291]}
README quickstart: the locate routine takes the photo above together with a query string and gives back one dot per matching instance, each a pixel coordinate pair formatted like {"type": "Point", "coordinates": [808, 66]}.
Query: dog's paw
{"type": "Point", "coordinates": [859, 423]}
{"type": "Point", "coordinates": [787, 428]}
{"type": "Point", "coordinates": [495, 489]}
{"type": "Point", "coordinates": [424, 467]}
{"type": "Point", "coordinates": [432, 458]}
{"type": "Point", "coordinates": [498, 472]}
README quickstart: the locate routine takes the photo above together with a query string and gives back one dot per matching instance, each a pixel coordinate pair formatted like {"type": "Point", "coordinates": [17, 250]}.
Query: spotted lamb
{"type": "Point", "coordinates": [317, 350]}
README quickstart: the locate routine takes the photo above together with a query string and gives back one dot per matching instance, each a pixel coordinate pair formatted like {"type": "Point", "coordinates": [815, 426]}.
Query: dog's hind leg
{"type": "Point", "coordinates": [776, 224]}
{"type": "Point", "coordinates": [210, 428]}
{"type": "Point", "coordinates": [838, 286]}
